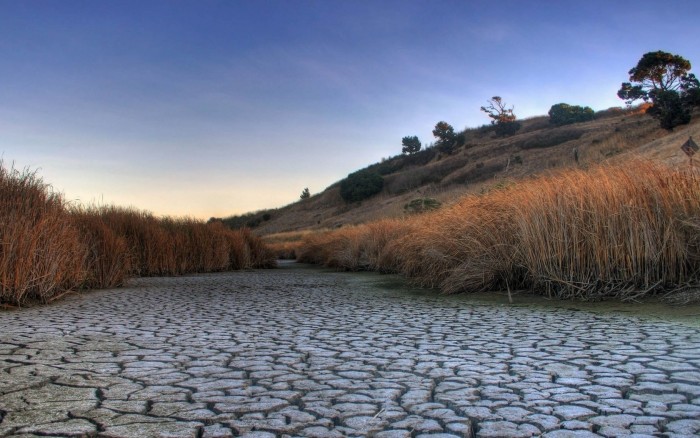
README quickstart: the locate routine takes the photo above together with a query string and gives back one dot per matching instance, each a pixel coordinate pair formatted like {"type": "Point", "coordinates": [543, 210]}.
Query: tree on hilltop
{"type": "Point", "coordinates": [502, 117]}
{"type": "Point", "coordinates": [411, 145]}
{"type": "Point", "coordinates": [664, 79]}
{"type": "Point", "coordinates": [445, 134]}
{"type": "Point", "coordinates": [305, 194]}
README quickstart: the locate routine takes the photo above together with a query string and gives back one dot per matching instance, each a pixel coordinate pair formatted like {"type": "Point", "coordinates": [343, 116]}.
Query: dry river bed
{"type": "Point", "coordinates": [301, 351]}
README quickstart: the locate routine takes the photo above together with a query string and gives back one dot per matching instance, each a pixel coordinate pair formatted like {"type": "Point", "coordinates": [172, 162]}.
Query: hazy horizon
{"type": "Point", "coordinates": [216, 108]}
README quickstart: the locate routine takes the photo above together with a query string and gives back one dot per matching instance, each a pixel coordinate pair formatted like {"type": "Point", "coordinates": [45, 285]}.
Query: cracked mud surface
{"type": "Point", "coordinates": [303, 352]}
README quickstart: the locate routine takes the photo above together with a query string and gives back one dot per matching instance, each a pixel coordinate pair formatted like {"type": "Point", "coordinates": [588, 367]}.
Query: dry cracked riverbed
{"type": "Point", "coordinates": [306, 352]}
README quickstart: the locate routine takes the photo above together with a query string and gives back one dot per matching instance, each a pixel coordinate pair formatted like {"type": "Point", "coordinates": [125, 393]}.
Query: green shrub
{"type": "Point", "coordinates": [565, 114]}
{"type": "Point", "coordinates": [361, 185]}
{"type": "Point", "coordinates": [421, 205]}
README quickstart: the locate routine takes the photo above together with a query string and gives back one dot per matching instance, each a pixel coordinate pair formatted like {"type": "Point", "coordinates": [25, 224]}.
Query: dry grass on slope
{"type": "Point", "coordinates": [621, 232]}
{"type": "Point", "coordinates": [483, 162]}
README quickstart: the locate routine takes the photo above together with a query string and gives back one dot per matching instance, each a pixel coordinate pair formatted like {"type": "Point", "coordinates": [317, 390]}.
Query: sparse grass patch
{"type": "Point", "coordinates": [550, 138]}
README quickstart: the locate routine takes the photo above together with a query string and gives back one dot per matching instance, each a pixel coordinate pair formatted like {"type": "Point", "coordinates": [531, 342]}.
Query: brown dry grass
{"type": "Point", "coordinates": [285, 245]}
{"type": "Point", "coordinates": [49, 247]}
{"type": "Point", "coordinates": [40, 252]}
{"type": "Point", "coordinates": [611, 231]}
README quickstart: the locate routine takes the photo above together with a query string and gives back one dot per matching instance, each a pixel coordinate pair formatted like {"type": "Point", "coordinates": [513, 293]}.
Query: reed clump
{"type": "Point", "coordinates": [48, 247]}
{"type": "Point", "coordinates": [40, 250]}
{"type": "Point", "coordinates": [607, 232]}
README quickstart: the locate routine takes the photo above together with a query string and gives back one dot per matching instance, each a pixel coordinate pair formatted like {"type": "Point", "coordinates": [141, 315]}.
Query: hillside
{"type": "Point", "coordinates": [484, 161]}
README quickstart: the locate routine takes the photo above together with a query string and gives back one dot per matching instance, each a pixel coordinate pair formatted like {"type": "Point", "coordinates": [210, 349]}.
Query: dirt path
{"type": "Point", "coordinates": [305, 352]}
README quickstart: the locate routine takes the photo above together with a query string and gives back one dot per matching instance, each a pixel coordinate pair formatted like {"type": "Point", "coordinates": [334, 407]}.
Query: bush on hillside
{"type": "Point", "coordinates": [361, 185]}
{"type": "Point", "coordinates": [421, 158]}
{"type": "Point", "coordinates": [421, 205]}
{"type": "Point", "coordinates": [506, 129]}
{"type": "Point", "coordinates": [565, 114]}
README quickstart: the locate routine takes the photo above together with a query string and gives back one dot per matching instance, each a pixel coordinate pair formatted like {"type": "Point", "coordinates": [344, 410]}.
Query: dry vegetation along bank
{"type": "Point", "coordinates": [48, 247]}
{"type": "Point", "coordinates": [620, 231]}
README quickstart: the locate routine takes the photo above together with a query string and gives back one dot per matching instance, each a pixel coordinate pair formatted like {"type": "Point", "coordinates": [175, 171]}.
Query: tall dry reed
{"type": "Point", "coordinates": [48, 247]}
{"type": "Point", "coordinates": [40, 250]}
{"type": "Point", "coordinates": [619, 232]}
{"type": "Point", "coordinates": [176, 246]}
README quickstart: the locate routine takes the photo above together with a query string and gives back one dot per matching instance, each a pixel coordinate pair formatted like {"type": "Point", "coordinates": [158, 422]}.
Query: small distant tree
{"type": "Point", "coordinates": [502, 117]}
{"type": "Point", "coordinates": [445, 134]}
{"type": "Point", "coordinates": [663, 79]}
{"type": "Point", "coordinates": [564, 114]}
{"type": "Point", "coordinates": [305, 194]}
{"type": "Point", "coordinates": [411, 145]}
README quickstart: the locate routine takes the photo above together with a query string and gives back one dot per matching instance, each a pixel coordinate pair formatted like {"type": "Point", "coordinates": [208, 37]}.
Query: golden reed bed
{"type": "Point", "coordinates": [620, 232]}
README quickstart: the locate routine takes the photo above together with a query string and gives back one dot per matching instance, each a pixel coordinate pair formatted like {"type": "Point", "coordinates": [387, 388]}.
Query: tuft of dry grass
{"type": "Point", "coordinates": [611, 231]}
{"type": "Point", "coordinates": [48, 247]}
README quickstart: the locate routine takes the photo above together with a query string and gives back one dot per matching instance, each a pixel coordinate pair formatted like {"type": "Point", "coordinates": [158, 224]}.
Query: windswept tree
{"type": "Point", "coordinates": [411, 145]}
{"type": "Point", "coordinates": [445, 134]}
{"type": "Point", "coordinates": [664, 79]}
{"type": "Point", "coordinates": [305, 194]}
{"type": "Point", "coordinates": [501, 116]}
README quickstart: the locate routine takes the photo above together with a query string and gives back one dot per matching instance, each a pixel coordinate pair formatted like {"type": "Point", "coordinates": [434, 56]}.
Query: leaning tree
{"type": "Point", "coordinates": [501, 116]}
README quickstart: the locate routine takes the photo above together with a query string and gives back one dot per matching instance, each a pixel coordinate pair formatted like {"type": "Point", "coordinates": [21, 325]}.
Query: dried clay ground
{"type": "Point", "coordinates": [302, 351]}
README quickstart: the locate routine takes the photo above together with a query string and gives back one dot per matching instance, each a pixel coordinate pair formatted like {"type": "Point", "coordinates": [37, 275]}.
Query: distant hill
{"type": "Point", "coordinates": [482, 161]}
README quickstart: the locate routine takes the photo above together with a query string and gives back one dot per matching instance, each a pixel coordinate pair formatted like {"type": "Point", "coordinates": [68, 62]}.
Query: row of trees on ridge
{"type": "Point", "coordinates": [660, 78]}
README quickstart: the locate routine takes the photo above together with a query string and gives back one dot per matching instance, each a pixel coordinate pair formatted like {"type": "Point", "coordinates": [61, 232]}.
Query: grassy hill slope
{"type": "Point", "coordinates": [483, 162]}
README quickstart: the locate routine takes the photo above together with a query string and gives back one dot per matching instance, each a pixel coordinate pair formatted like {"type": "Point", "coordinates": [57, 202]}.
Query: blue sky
{"type": "Point", "coordinates": [211, 108]}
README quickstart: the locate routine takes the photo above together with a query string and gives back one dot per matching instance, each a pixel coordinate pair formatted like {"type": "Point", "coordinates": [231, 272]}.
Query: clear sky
{"type": "Point", "coordinates": [212, 108]}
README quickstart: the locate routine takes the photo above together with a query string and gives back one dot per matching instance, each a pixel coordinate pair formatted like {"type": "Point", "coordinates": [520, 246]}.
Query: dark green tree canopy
{"type": "Point", "coordinates": [657, 71]}
{"type": "Point", "coordinates": [446, 137]}
{"type": "Point", "coordinates": [564, 114]}
{"type": "Point", "coordinates": [664, 79]}
{"type": "Point", "coordinates": [361, 185]}
{"type": "Point", "coordinates": [305, 194]}
{"type": "Point", "coordinates": [411, 145]}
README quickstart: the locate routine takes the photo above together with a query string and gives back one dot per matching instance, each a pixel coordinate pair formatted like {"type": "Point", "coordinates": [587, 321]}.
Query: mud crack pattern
{"type": "Point", "coordinates": [300, 352]}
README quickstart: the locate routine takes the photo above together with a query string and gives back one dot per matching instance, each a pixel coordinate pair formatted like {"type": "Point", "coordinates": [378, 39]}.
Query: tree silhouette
{"type": "Point", "coordinates": [501, 116]}
{"type": "Point", "coordinates": [664, 79]}
{"type": "Point", "coordinates": [411, 145]}
{"type": "Point", "coordinates": [445, 134]}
